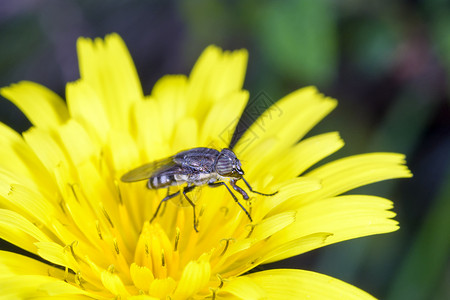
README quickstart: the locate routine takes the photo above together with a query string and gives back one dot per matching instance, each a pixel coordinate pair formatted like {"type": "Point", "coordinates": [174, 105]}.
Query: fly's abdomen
{"type": "Point", "coordinates": [161, 181]}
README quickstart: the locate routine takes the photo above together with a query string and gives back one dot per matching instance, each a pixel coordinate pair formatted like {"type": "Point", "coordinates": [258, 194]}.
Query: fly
{"type": "Point", "coordinates": [194, 167]}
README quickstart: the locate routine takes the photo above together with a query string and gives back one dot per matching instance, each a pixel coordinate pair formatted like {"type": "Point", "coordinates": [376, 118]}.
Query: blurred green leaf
{"type": "Point", "coordinates": [440, 26]}
{"type": "Point", "coordinates": [405, 122]}
{"type": "Point", "coordinates": [443, 291]}
{"type": "Point", "coordinates": [207, 22]}
{"type": "Point", "coordinates": [299, 38]}
{"type": "Point", "coordinates": [19, 39]}
{"type": "Point", "coordinates": [399, 131]}
{"type": "Point", "coordinates": [371, 45]}
{"type": "Point", "coordinates": [424, 265]}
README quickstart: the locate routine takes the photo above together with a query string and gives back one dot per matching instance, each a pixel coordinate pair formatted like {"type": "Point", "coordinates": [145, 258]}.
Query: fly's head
{"type": "Point", "coordinates": [228, 165]}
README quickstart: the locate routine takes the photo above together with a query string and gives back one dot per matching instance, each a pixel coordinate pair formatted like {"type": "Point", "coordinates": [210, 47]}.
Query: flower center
{"type": "Point", "coordinates": [155, 252]}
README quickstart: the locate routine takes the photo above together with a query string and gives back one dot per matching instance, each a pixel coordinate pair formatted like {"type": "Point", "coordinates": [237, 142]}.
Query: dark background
{"type": "Point", "coordinates": [387, 62]}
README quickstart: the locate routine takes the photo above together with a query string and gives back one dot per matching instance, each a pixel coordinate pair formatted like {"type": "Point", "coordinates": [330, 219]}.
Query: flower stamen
{"type": "Point", "coordinates": [105, 213]}
{"type": "Point", "coordinates": [250, 207]}
{"type": "Point", "coordinates": [11, 189]}
{"type": "Point", "coordinates": [227, 243]}
{"type": "Point", "coordinates": [213, 293]}
{"type": "Point", "coordinates": [224, 210]}
{"type": "Point", "coordinates": [116, 246]}
{"type": "Point", "coordinates": [66, 273]}
{"type": "Point", "coordinates": [119, 193]}
{"type": "Point", "coordinates": [221, 280]}
{"type": "Point", "coordinates": [177, 239]}
{"type": "Point", "coordinates": [72, 188]}
{"type": "Point", "coordinates": [62, 205]}
{"type": "Point", "coordinates": [252, 227]}
{"type": "Point", "coordinates": [79, 280]}
{"type": "Point", "coordinates": [72, 251]}
{"type": "Point", "coordinates": [202, 210]}
{"type": "Point", "coordinates": [163, 260]}
{"type": "Point", "coordinates": [111, 269]}
{"type": "Point", "coordinates": [99, 232]}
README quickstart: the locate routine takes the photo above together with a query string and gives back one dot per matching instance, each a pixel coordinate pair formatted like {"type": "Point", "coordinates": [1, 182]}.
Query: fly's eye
{"type": "Point", "coordinates": [224, 165]}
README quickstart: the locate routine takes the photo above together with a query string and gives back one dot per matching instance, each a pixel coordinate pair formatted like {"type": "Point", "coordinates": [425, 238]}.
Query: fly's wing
{"type": "Point", "coordinates": [200, 159]}
{"type": "Point", "coordinates": [146, 171]}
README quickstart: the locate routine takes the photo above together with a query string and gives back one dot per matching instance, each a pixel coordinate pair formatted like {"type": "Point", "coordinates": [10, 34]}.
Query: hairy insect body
{"type": "Point", "coordinates": [194, 167]}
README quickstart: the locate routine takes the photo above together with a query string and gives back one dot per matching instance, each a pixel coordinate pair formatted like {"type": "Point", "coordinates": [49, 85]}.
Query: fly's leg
{"type": "Point", "coordinates": [163, 201]}
{"type": "Point", "coordinates": [239, 190]}
{"type": "Point", "coordinates": [253, 191]}
{"type": "Point", "coordinates": [244, 194]}
{"type": "Point", "coordinates": [187, 189]}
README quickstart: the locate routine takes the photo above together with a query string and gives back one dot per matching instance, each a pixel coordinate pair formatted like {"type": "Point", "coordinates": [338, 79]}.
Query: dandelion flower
{"type": "Point", "coordinates": [88, 233]}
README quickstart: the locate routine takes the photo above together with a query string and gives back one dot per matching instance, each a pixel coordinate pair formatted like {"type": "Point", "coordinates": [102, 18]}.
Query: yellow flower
{"type": "Point", "coordinates": [61, 198]}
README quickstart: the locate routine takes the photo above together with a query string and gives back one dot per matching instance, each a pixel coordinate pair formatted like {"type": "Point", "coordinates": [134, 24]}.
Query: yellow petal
{"type": "Point", "coordinates": [195, 276]}
{"type": "Point", "coordinates": [28, 203]}
{"type": "Point", "coordinates": [255, 165]}
{"type": "Point", "coordinates": [113, 283]}
{"type": "Point", "coordinates": [16, 264]}
{"type": "Point", "coordinates": [143, 297]}
{"type": "Point", "coordinates": [142, 276]}
{"type": "Point", "coordinates": [351, 172]}
{"type": "Point", "coordinates": [20, 231]}
{"type": "Point", "coordinates": [42, 107]}
{"type": "Point", "coordinates": [258, 233]}
{"type": "Point", "coordinates": [288, 120]}
{"type": "Point", "coordinates": [294, 161]}
{"type": "Point", "coordinates": [222, 119]}
{"type": "Point", "coordinates": [63, 297]}
{"type": "Point", "coordinates": [286, 190]}
{"type": "Point", "coordinates": [106, 66]}
{"type": "Point", "coordinates": [57, 254]}
{"type": "Point", "coordinates": [291, 248]}
{"type": "Point", "coordinates": [347, 173]}
{"type": "Point", "coordinates": [35, 286]}
{"type": "Point", "coordinates": [242, 288]}
{"type": "Point", "coordinates": [19, 160]}
{"type": "Point", "coordinates": [214, 76]}
{"type": "Point", "coordinates": [76, 142]}
{"type": "Point", "coordinates": [299, 284]}
{"type": "Point", "coordinates": [169, 93]}
{"type": "Point", "coordinates": [46, 148]}
{"type": "Point", "coordinates": [85, 106]}
{"type": "Point", "coordinates": [63, 289]}
{"type": "Point", "coordinates": [269, 251]}
{"type": "Point", "coordinates": [152, 140]}
{"type": "Point", "coordinates": [345, 217]}
{"type": "Point", "coordinates": [120, 152]}
{"type": "Point", "coordinates": [186, 134]}
{"type": "Point", "coordinates": [271, 225]}
{"type": "Point", "coordinates": [160, 288]}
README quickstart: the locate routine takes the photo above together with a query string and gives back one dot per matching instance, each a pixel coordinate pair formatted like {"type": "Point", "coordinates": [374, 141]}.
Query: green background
{"type": "Point", "coordinates": [387, 62]}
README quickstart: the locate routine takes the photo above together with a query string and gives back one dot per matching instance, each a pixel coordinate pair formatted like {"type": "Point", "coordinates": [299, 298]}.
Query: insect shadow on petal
{"type": "Point", "coordinates": [194, 167]}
